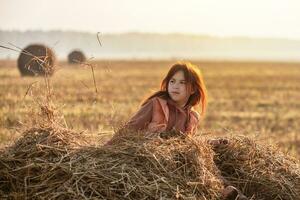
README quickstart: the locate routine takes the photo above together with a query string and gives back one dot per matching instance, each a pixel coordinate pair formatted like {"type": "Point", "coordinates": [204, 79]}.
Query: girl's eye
{"type": "Point", "coordinates": [172, 81]}
{"type": "Point", "coordinates": [183, 82]}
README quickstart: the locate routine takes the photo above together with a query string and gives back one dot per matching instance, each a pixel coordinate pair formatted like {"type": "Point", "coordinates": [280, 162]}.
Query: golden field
{"type": "Point", "coordinates": [261, 99]}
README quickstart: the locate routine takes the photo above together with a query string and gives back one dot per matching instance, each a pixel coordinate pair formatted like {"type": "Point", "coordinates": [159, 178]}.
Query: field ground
{"type": "Point", "coordinates": [251, 98]}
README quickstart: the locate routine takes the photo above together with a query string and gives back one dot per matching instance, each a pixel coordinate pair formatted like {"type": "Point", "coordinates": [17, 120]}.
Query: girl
{"type": "Point", "coordinates": [172, 108]}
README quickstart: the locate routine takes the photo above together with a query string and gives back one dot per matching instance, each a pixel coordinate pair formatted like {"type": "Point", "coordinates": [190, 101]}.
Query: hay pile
{"type": "Point", "coordinates": [47, 164]}
{"type": "Point", "coordinates": [36, 59]}
{"type": "Point", "coordinates": [76, 56]}
{"type": "Point", "coordinates": [33, 165]}
{"type": "Point", "coordinates": [54, 163]}
{"type": "Point", "coordinates": [260, 171]}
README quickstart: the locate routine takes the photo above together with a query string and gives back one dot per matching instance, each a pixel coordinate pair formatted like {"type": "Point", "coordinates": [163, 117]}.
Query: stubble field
{"type": "Point", "coordinates": [260, 99]}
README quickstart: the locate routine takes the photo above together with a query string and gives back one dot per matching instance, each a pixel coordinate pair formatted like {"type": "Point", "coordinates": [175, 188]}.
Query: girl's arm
{"type": "Point", "coordinates": [193, 124]}
{"type": "Point", "coordinates": [142, 118]}
{"type": "Point", "coordinates": [139, 121]}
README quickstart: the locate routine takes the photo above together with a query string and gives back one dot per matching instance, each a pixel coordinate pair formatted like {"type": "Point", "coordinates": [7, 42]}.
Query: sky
{"type": "Point", "coordinates": [251, 18]}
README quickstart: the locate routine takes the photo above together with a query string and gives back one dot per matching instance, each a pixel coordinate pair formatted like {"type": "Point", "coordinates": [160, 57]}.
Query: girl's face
{"type": "Point", "coordinates": [177, 89]}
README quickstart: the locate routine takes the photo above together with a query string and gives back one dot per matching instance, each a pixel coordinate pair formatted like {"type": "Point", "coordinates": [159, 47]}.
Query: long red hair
{"type": "Point", "coordinates": [194, 81]}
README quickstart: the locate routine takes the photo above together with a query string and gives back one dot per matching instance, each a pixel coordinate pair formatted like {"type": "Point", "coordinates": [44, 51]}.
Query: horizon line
{"type": "Point", "coordinates": [156, 33]}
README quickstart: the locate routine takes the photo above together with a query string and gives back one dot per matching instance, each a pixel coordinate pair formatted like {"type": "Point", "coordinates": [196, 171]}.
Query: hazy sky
{"type": "Point", "coordinates": [260, 18]}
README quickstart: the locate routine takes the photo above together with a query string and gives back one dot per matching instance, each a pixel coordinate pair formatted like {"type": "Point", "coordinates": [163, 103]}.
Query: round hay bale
{"type": "Point", "coordinates": [76, 56]}
{"type": "Point", "coordinates": [36, 59]}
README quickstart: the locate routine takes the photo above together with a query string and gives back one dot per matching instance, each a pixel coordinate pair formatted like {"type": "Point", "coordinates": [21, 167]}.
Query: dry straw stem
{"type": "Point", "coordinates": [93, 73]}
{"type": "Point", "coordinates": [98, 33]}
{"type": "Point", "coordinates": [19, 50]}
{"type": "Point", "coordinates": [28, 89]}
{"type": "Point", "coordinates": [43, 64]}
{"type": "Point", "coordinates": [44, 113]}
{"type": "Point", "coordinates": [57, 163]}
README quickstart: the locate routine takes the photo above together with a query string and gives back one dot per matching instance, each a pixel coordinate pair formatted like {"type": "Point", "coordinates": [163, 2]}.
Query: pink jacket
{"type": "Point", "coordinates": [154, 116]}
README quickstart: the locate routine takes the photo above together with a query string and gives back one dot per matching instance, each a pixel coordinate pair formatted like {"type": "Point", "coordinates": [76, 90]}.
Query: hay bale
{"type": "Point", "coordinates": [76, 56]}
{"type": "Point", "coordinates": [134, 168]}
{"type": "Point", "coordinates": [259, 170]}
{"type": "Point", "coordinates": [36, 59]}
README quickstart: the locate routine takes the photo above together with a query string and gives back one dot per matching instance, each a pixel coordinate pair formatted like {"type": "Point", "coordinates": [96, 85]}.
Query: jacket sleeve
{"type": "Point", "coordinates": [142, 118]}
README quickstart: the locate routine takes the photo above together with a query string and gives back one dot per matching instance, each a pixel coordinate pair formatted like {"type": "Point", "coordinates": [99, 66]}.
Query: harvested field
{"type": "Point", "coordinates": [249, 98]}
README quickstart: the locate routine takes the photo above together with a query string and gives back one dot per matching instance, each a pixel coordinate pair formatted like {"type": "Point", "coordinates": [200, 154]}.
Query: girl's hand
{"type": "Point", "coordinates": [218, 142]}
{"type": "Point", "coordinates": [153, 127]}
{"type": "Point", "coordinates": [152, 134]}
